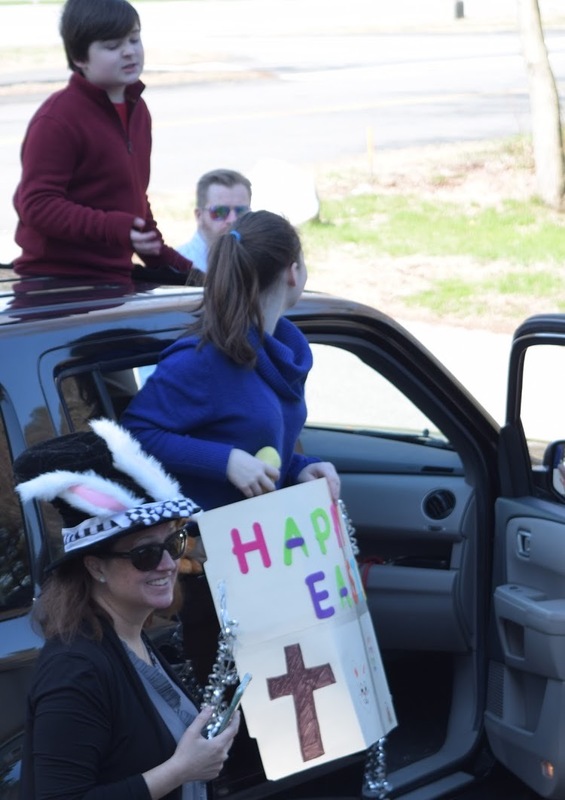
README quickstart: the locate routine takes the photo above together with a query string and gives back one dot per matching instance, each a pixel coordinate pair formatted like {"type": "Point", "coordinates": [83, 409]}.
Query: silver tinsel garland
{"type": "Point", "coordinates": [224, 672]}
{"type": "Point", "coordinates": [375, 784]}
{"type": "Point", "coordinates": [349, 527]}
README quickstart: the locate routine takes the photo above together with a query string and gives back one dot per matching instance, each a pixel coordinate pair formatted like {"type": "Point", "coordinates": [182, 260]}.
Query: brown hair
{"type": "Point", "coordinates": [242, 264]}
{"type": "Point", "coordinates": [87, 21]}
{"type": "Point", "coordinates": [65, 604]}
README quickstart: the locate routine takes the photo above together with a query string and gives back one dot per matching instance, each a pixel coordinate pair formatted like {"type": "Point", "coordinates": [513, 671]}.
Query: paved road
{"type": "Point", "coordinates": [373, 44]}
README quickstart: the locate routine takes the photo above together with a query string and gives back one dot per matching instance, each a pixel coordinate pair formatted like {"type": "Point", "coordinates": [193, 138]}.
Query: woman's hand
{"type": "Point", "coordinates": [250, 475]}
{"type": "Point", "coordinates": [322, 469]}
{"type": "Point", "coordinates": [202, 759]}
{"type": "Point", "coordinates": [195, 758]}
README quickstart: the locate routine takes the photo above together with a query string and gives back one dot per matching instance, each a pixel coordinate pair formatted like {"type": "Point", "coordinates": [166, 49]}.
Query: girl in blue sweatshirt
{"type": "Point", "coordinates": [236, 383]}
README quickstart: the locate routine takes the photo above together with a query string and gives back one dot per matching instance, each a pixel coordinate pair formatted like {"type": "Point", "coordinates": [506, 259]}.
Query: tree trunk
{"type": "Point", "coordinates": [544, 105]}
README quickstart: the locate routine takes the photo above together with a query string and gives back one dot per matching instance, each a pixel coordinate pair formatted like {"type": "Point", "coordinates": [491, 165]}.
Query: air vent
{"type": "Point", "coordinates": [439, 504]}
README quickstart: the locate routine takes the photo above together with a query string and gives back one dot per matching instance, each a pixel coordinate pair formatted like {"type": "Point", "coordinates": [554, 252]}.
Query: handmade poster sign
{"type": "Point", "coordinates": [291, 582]}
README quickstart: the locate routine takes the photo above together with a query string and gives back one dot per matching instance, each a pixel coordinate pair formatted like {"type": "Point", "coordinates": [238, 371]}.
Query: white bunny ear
{"type": "Point", "coordinates": [85, 491]}
{"type": "Point", "coordinates": [129, 458]}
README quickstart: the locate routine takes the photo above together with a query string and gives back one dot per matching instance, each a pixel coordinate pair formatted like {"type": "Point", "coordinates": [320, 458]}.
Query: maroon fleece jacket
{"type": "Point", "coordinates": [84, 180]}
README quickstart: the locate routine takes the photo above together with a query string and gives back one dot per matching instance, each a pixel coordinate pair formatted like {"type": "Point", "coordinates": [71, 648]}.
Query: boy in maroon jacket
{"type": "Point", "coordinates": [82, 200]}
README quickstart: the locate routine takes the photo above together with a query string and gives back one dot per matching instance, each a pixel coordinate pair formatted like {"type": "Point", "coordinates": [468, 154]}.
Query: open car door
{"type": "Point", "coordinates": [525, 715]}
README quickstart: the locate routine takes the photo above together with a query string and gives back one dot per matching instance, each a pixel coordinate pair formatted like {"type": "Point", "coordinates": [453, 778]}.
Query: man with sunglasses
{"type": "Point", "coordinates": [222, 196]}
{"type": "Point", "coordinates": [106, 714]}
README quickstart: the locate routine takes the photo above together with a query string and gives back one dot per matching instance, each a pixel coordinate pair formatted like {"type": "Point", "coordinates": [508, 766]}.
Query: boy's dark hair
{"type": "Point", "coordinates": [87, 21]}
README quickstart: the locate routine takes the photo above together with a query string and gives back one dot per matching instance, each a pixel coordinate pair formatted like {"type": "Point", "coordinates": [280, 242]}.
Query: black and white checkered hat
{"type": "Point", "coordinates": [102, 483]}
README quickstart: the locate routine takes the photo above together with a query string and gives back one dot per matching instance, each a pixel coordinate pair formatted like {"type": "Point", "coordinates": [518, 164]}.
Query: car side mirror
{"type": "Point", "coordinates": [554, 461]}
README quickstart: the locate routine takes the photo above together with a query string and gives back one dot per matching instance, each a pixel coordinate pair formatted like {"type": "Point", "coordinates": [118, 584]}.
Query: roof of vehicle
{"type": "Point", "coordinates": [32, 297]}
{"type": "Point", "coordinates": [27, 304]}
{"type": "Point", "coordinates": [45, 298]}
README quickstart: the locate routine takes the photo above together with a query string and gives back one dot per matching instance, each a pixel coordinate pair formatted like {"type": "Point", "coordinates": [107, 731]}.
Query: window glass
{"type": "Point", "coordinates": [343, 391]}
{"type": "Point", "coordinates": [142, 373]}
{"type": "Point", "coordinates": [16, 589]}
{"type": "Point", "coordinates": [100, 393]}
{"type": "Point", "coordinates": [81, 400]}
{"type": "Point", "coordinates": [542, 404]}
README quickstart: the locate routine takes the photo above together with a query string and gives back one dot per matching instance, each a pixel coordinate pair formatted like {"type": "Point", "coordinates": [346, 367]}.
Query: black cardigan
{"type": "Point", "coordinates": [91, 728]}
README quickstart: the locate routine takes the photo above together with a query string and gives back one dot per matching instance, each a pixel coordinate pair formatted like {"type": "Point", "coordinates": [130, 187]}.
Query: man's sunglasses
{"type": "Point", "coordinates": [148, 556]}
{"type": "Point", "coordinates": [223, 212]}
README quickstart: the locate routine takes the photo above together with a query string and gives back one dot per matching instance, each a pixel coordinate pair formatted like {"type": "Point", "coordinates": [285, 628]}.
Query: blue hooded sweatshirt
{"type": "Point", "coordinates": [199, 404]}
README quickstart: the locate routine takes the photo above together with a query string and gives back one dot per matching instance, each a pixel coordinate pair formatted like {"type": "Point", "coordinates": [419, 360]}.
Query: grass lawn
{"type": "Point", "coordinates": [453, 232]}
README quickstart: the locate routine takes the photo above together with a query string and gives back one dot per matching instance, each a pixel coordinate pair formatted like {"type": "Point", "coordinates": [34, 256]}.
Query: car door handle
{"type": "Point", "coordinates": [523, 539]}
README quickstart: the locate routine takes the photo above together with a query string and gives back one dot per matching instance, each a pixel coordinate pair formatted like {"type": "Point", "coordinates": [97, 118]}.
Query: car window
{"type": "Point", "coordinates": [16, 591]}
{"type": "Point", "coordinates": [89, 394]}
{"type": "Point", "coordinates": [81, 400]}
{"type": "Point", "coordinates": [543, 400]}
{"type": "Point", "coordinates": [142, 373]}
{"type": "Point", "coordinates": [343, 391]}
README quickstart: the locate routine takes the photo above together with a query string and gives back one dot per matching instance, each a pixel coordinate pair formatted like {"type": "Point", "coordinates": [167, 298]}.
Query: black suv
{"type": "Point", "coordinates": [461, 524]}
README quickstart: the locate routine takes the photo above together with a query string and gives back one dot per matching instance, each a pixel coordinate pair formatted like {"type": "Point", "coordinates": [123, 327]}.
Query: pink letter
{"type": "Point", "coordinates": [239, 549]}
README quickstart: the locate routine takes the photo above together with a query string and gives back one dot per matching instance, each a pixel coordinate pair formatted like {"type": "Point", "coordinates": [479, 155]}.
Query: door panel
{"type": "Point", "coordinates": [535, 550]}
{"type": "Point", "coordinates": [411, 562]}
{"type": "Point", "coordinates": [526, 699]}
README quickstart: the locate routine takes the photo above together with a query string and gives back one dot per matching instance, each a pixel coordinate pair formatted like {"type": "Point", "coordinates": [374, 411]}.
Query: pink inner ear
{"type": "Point", "coordinates": [97, 498]}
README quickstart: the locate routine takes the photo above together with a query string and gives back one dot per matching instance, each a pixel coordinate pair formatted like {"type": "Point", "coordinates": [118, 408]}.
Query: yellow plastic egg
{"type": "Point", "coordinates": [269, 456]}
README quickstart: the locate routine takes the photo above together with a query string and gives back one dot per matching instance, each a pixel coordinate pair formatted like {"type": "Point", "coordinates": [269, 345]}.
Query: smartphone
{"type": "Point", "coordinates": [222, 723]}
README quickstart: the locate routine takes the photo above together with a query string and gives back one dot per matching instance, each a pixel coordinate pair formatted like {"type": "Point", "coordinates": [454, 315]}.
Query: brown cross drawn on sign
{"type": "Point", "coordinates": [301, 682]}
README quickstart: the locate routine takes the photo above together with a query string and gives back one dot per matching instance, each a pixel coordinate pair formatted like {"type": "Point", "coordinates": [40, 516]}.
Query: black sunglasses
{"type": "Point", "coordinates": [148, 556]}
{"type": "Point", "coordinates": [223, 212]}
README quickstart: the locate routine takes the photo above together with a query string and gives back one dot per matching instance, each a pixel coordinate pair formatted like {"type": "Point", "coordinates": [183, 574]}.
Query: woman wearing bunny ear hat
{"type": "Point", "coordinates": [106, 717]}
